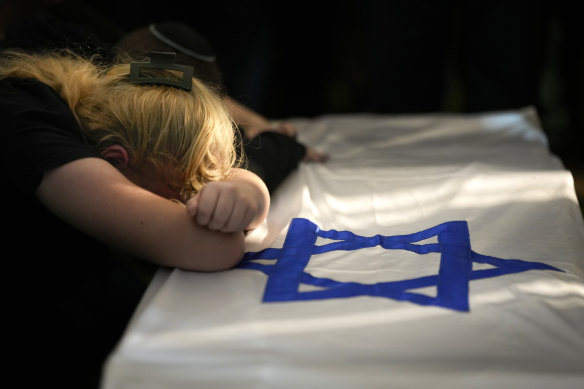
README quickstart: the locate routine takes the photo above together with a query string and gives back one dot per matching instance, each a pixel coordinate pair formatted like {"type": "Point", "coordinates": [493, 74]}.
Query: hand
{"type": "Point", "coordinates": [313, 155]}
{"type": "Point", "coordinates": [223, 206]}
{"type": "Point", "coordinates": [287, 129]}
{"type": "Point", "coordinates": [284, 128]}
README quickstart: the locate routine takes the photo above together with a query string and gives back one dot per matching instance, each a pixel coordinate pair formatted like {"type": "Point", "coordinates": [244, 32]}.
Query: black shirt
{"type": "Point", "coordinates": [69, 296]}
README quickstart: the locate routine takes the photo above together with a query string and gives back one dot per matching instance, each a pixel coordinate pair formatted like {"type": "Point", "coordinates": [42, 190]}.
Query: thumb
{"type": "Point", "coordinates": [193, 205]}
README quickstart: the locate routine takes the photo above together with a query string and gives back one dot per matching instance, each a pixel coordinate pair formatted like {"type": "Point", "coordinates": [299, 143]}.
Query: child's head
{"type": "Point", "coordinates": [185, 138]}
{"type": "Point", "coordinates": [164, 129]}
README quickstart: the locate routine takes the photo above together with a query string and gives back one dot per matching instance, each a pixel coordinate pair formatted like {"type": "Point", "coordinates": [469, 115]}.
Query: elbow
{"type": "Point", "coordinates": [225, 260]}
{"type": "Point", "coordinates": [225, 254]}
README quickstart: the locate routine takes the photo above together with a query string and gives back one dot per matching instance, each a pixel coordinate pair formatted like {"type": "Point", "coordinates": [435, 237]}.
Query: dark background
{"type": "Point", "coordinates": [307, 58]}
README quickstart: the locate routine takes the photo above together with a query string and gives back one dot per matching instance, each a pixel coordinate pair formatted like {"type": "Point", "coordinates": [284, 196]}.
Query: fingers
{"type": "Point", "coordinates": [313, 155]}
{"type": "Point", "coordinates": [202, 206]}
{"type": "Point", "coordinates": [219, 206]}
{"type": "Point", "coordinates": [221, 218]}
{"type": "Point", "coordinates": [232, 221]}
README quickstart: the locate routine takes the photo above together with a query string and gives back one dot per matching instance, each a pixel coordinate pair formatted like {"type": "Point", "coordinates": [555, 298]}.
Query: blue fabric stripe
{"type": "Point", "coordinates": [295, 254]}
{"type": "Point", "coordinates": [452, 281]}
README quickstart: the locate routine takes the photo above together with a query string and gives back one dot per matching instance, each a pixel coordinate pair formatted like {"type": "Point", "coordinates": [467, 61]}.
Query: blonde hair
{"type": "Point", "coordinates": [162, 127]}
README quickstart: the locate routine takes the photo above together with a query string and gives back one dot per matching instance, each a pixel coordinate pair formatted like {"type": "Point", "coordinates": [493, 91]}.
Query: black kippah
{"type": "Point", "coordinates": [183, 39]}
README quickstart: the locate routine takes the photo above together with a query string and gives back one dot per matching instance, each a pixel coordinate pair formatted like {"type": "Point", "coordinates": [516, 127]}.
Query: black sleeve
{"type": "Point", "coordinates": [273, 156]}
{"type": "Point", "coordinates": [38, 133]}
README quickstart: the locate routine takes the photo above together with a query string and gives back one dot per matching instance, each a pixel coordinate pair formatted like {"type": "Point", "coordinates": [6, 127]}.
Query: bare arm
{"type": "Point", "coordinates": [253, 122]}
{"type": "Point", "coordinates": [93, 196]}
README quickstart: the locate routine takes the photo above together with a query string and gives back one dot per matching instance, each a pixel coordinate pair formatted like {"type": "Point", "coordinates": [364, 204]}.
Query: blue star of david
{"type": "Point", "coordinates": [287, 273]}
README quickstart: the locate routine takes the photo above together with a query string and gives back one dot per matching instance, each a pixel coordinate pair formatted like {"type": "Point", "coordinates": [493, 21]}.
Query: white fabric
{"type": "Point", "coordinates": [389, 175]}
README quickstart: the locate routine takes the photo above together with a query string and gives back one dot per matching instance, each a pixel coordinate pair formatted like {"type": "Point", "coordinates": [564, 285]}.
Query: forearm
{"type": "Point", "coordinates": [254, 123]}
{"type": "Point", "coordinates": [94, 197]}
{"type": "Point", "coordinates": [251, 121]}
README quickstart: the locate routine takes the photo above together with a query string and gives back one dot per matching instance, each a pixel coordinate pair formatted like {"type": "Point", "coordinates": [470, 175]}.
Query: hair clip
{"type": "Point", "coordinates": [166, 61]}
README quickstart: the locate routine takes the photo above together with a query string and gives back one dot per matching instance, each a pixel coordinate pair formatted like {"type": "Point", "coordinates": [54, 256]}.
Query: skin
{"type": "Point", "coordinates": [206, 234]}
{"type": "Point", "coordinates": [229, 206]}
{"type": "Point", "coordinates": [133, 211]}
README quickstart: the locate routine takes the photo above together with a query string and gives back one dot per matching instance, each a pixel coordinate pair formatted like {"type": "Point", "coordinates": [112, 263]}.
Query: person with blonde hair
{"type": "Point", "coordinates": [271, 147]}
{"type": "Point", "coordinates": [102, 161]}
